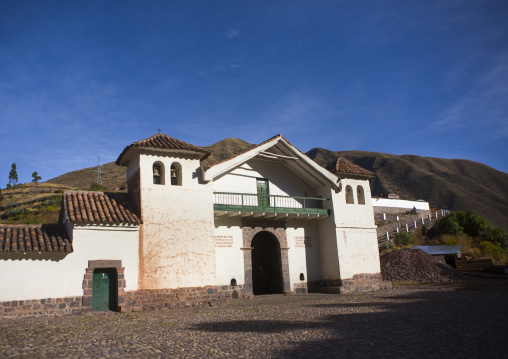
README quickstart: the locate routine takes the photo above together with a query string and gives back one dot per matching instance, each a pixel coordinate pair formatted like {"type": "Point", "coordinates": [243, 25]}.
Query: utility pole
{"type": "Point", "coordinates": [99, 171]}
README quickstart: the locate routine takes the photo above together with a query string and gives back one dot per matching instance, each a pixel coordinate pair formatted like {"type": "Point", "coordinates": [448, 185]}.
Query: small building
{"type": "Point", "coordinates": [268, 220]}
{"type": "Point", "coordinates": [446, 253]}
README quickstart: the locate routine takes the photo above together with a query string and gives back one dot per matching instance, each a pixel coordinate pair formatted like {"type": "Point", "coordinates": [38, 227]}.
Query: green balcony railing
{"type": "Point", "coordinates": [252, 202]}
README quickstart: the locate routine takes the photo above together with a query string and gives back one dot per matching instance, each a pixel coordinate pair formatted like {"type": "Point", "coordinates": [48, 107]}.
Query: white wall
{"type": "Point", "coordinates": [400, 203]}
{"type": "Point", "coordinates": [358, 252]}
{"type": "Point", "coordinates": [355, 231]}
{"type": "Point", "coordinates": [39, 276]}
{"type": "Point", "coordinates": [303, 259]}
{"type": "Point", "coordinates": [353, 215]}
{"type": "Point", "coordinates": [177, 243]}
{"type": "Point", "coordinates": [229, 259]}
{"type": "Point", "coordinates": [282, 180]}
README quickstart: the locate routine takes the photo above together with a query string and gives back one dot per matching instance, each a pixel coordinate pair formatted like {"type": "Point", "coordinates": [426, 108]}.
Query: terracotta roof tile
{"type": "Point", "coordinates": [24, 238]}
{"type": "Point", "coordinates": [98, 207]}
{"type": "Point", "coordinates": [162, 141]}
{"type": "Point", "coordinates": [344, 166]}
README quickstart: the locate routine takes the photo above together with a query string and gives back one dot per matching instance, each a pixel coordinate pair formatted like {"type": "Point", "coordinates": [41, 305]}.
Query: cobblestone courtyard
{"type": "Point", "coordinates": [405, 322]}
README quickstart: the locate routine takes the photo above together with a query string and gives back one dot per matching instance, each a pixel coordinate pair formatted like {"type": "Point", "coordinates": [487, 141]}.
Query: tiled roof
{"type": "Point", "coordinates": [34, 238]}
{"type": "Point", "coordinates": [344, 166]}
{"type": "Point", "coordinates": [162, 141]}
{"type": "Point", "coordinates": [98, 207]}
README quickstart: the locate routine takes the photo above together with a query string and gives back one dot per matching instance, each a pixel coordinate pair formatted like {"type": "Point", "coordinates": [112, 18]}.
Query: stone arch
{"type": "Point", "coordinates": [248, 234]}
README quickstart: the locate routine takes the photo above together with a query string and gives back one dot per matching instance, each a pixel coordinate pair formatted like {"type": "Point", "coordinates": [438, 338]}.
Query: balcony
{"type": "Point", "coordinates": [268, 206]}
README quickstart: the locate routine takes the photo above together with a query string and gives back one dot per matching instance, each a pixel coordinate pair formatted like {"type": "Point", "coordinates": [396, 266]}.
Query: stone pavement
{"type": "Point", "coordinates": [404, 322]}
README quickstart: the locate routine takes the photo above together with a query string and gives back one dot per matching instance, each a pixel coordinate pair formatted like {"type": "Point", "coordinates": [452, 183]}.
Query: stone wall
{"type": "Point", "coordinates": [173, 298]}
{"type": "Point", "coordinates": [210, 296]}
{"type": "Point", "coordinates": [358, 283]}
{"type": "Point", "coordinates": [42, 307]}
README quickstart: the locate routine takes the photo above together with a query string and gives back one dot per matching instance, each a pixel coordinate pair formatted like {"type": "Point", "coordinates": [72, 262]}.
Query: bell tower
{"type": "Point", "coordinates": [176, 246]}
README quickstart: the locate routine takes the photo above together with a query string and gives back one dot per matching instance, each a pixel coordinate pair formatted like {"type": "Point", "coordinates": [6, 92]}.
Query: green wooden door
{"type": "Point", "coordinates": [100, 291]}
{"type": "Point", "coordinates": [263, 194]}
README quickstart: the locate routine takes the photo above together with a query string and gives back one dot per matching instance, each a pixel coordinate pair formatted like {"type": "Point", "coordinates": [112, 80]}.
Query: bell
{"type": "Point", "coordinates": [173, 174]}
{"type": "Point", "coordinates": [156, 171]}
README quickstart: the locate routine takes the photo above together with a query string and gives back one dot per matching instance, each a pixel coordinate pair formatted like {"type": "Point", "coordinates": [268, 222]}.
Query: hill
{"type": "Point", "coordinates": [31, 203]}
{"type": "Point", "coordinates": [445, 183]}
{"type": "Point", "coordinates": [114, 177]}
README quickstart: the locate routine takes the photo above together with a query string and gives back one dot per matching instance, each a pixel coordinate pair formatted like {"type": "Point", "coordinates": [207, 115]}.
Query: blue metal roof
{"type": "Point", "coordinates": [434, 250]}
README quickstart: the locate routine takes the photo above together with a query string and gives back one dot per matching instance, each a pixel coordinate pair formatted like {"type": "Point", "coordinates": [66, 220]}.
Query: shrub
{"type": "Point", "coordinates": [97, 187]}
{"type": "Point", "coordinates": [477, 227]}
{"type": "Point", "coordinates": [50, 209]}
{"type": "Point", "coordinates": [449, 241]}
{"type": "Point", "coordinates": [491, 250]}
{"type": "Point", "coordinates": [403, 239]}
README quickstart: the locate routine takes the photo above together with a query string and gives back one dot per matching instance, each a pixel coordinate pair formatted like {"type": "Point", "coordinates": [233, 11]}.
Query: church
{"type": "Point", "coordinates": [268, 220]}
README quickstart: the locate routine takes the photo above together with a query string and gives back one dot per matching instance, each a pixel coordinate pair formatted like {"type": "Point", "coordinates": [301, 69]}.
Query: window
{"type": "Point", "coordinates": [158, 173]}
{"type": "Point", "coordinates": [360, 194]}
{"type": "Point", "coordinates": [176, 174]}
{"type": "Point", "coordinates": [349, 195]}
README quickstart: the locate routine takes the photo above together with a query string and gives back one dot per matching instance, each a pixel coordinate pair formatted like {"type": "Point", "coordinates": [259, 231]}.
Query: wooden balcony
{"type": "Point", "coordinates": [268, 206]}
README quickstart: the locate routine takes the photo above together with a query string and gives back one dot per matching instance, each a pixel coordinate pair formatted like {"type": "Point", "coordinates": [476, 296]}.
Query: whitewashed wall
{"type": "Point", "coordinates": [177, 243]}
{"type": "Point", "coordinates": [352, 215]}
{"type": "Point", "coordinates": [303, 253]}
{"type": "Point", "coordinates": [39, 276]}
{"type": "Point", "coordinates": [282, 180]}
{"type": "Point", "coordinates": [358, 252]}
{"type": "Point", "coordinates": [400, 203]}
{"type": "Point", "coordinates": [228, 254]}
{"type": "Point", "coordinates": [356, 231]}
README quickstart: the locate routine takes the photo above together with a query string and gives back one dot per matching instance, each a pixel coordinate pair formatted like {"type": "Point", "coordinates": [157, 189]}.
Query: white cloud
{"type": "Point", "coordinates": [232, 33]}
{"type": "Point", "coordinates": [483, 105]}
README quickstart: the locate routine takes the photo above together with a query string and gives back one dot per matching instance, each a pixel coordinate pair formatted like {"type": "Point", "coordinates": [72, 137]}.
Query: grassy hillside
{"type": "Point", "coordinates": [452, 184]}
{"type": "Point", "coordinates": [113, 177]}
{"type": "Point", "coordinates": [31, 203]}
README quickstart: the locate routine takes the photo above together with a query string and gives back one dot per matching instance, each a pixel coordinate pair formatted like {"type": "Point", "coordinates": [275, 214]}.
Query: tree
{"type": "Point", "coordinates": [35, 177]}
{"type": "Point", "coordinates": [13, 176]}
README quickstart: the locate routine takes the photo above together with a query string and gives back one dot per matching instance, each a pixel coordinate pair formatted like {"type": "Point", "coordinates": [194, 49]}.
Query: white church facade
{"type": "Point", "coordinates": [266, 221]}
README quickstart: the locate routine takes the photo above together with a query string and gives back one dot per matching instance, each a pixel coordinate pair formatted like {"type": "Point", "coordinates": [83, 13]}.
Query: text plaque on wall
{"type": "Point", "coordinates": [301, 241]}
{"type": "Point", "coordinates": [223, 241]}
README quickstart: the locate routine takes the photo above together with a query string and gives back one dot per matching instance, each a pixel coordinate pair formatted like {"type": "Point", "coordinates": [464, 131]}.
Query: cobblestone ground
{"type": "Point", "coordinates": [405, 322]}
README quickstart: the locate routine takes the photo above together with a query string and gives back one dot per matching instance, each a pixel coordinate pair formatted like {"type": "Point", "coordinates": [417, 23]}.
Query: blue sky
{"type": "Point", "coordinates": [82, 79]}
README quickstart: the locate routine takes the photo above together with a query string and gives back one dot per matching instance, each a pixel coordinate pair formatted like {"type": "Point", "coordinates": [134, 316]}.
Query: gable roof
{"type": "Point", "coordinates": [245, 151]}
{"type": "Point", "coordinates": [344, 166]}
{"type": "Point", "coordinates": [287, 152]}
{"type": "Point", "coordinates": [161, 141]}
{"type": "Point", "coordinates": [98, 208]}
{"type": "Point", "coordinates": [24, 238]}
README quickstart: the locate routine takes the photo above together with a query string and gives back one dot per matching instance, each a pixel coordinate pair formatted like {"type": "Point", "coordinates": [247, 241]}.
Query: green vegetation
{"type": "Point", "coordinates": [38, 211]}
{"type": "Point", "coordinates": [35, 177]}
{"type": "Point", "coordinates": [403, 239]}
{"type": "Point", "coordinates": [13, 176]}
{"type": "Point", "coordinates": [474, 226]}
{"type": "Point", "coordinates": [476, 234]}
{"type": "Point", "coordinates": [97, 187]}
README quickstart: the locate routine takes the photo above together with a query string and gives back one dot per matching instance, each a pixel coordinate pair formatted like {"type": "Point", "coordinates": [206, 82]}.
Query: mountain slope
{"type": "Point", "coordinates": [445, 183]}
